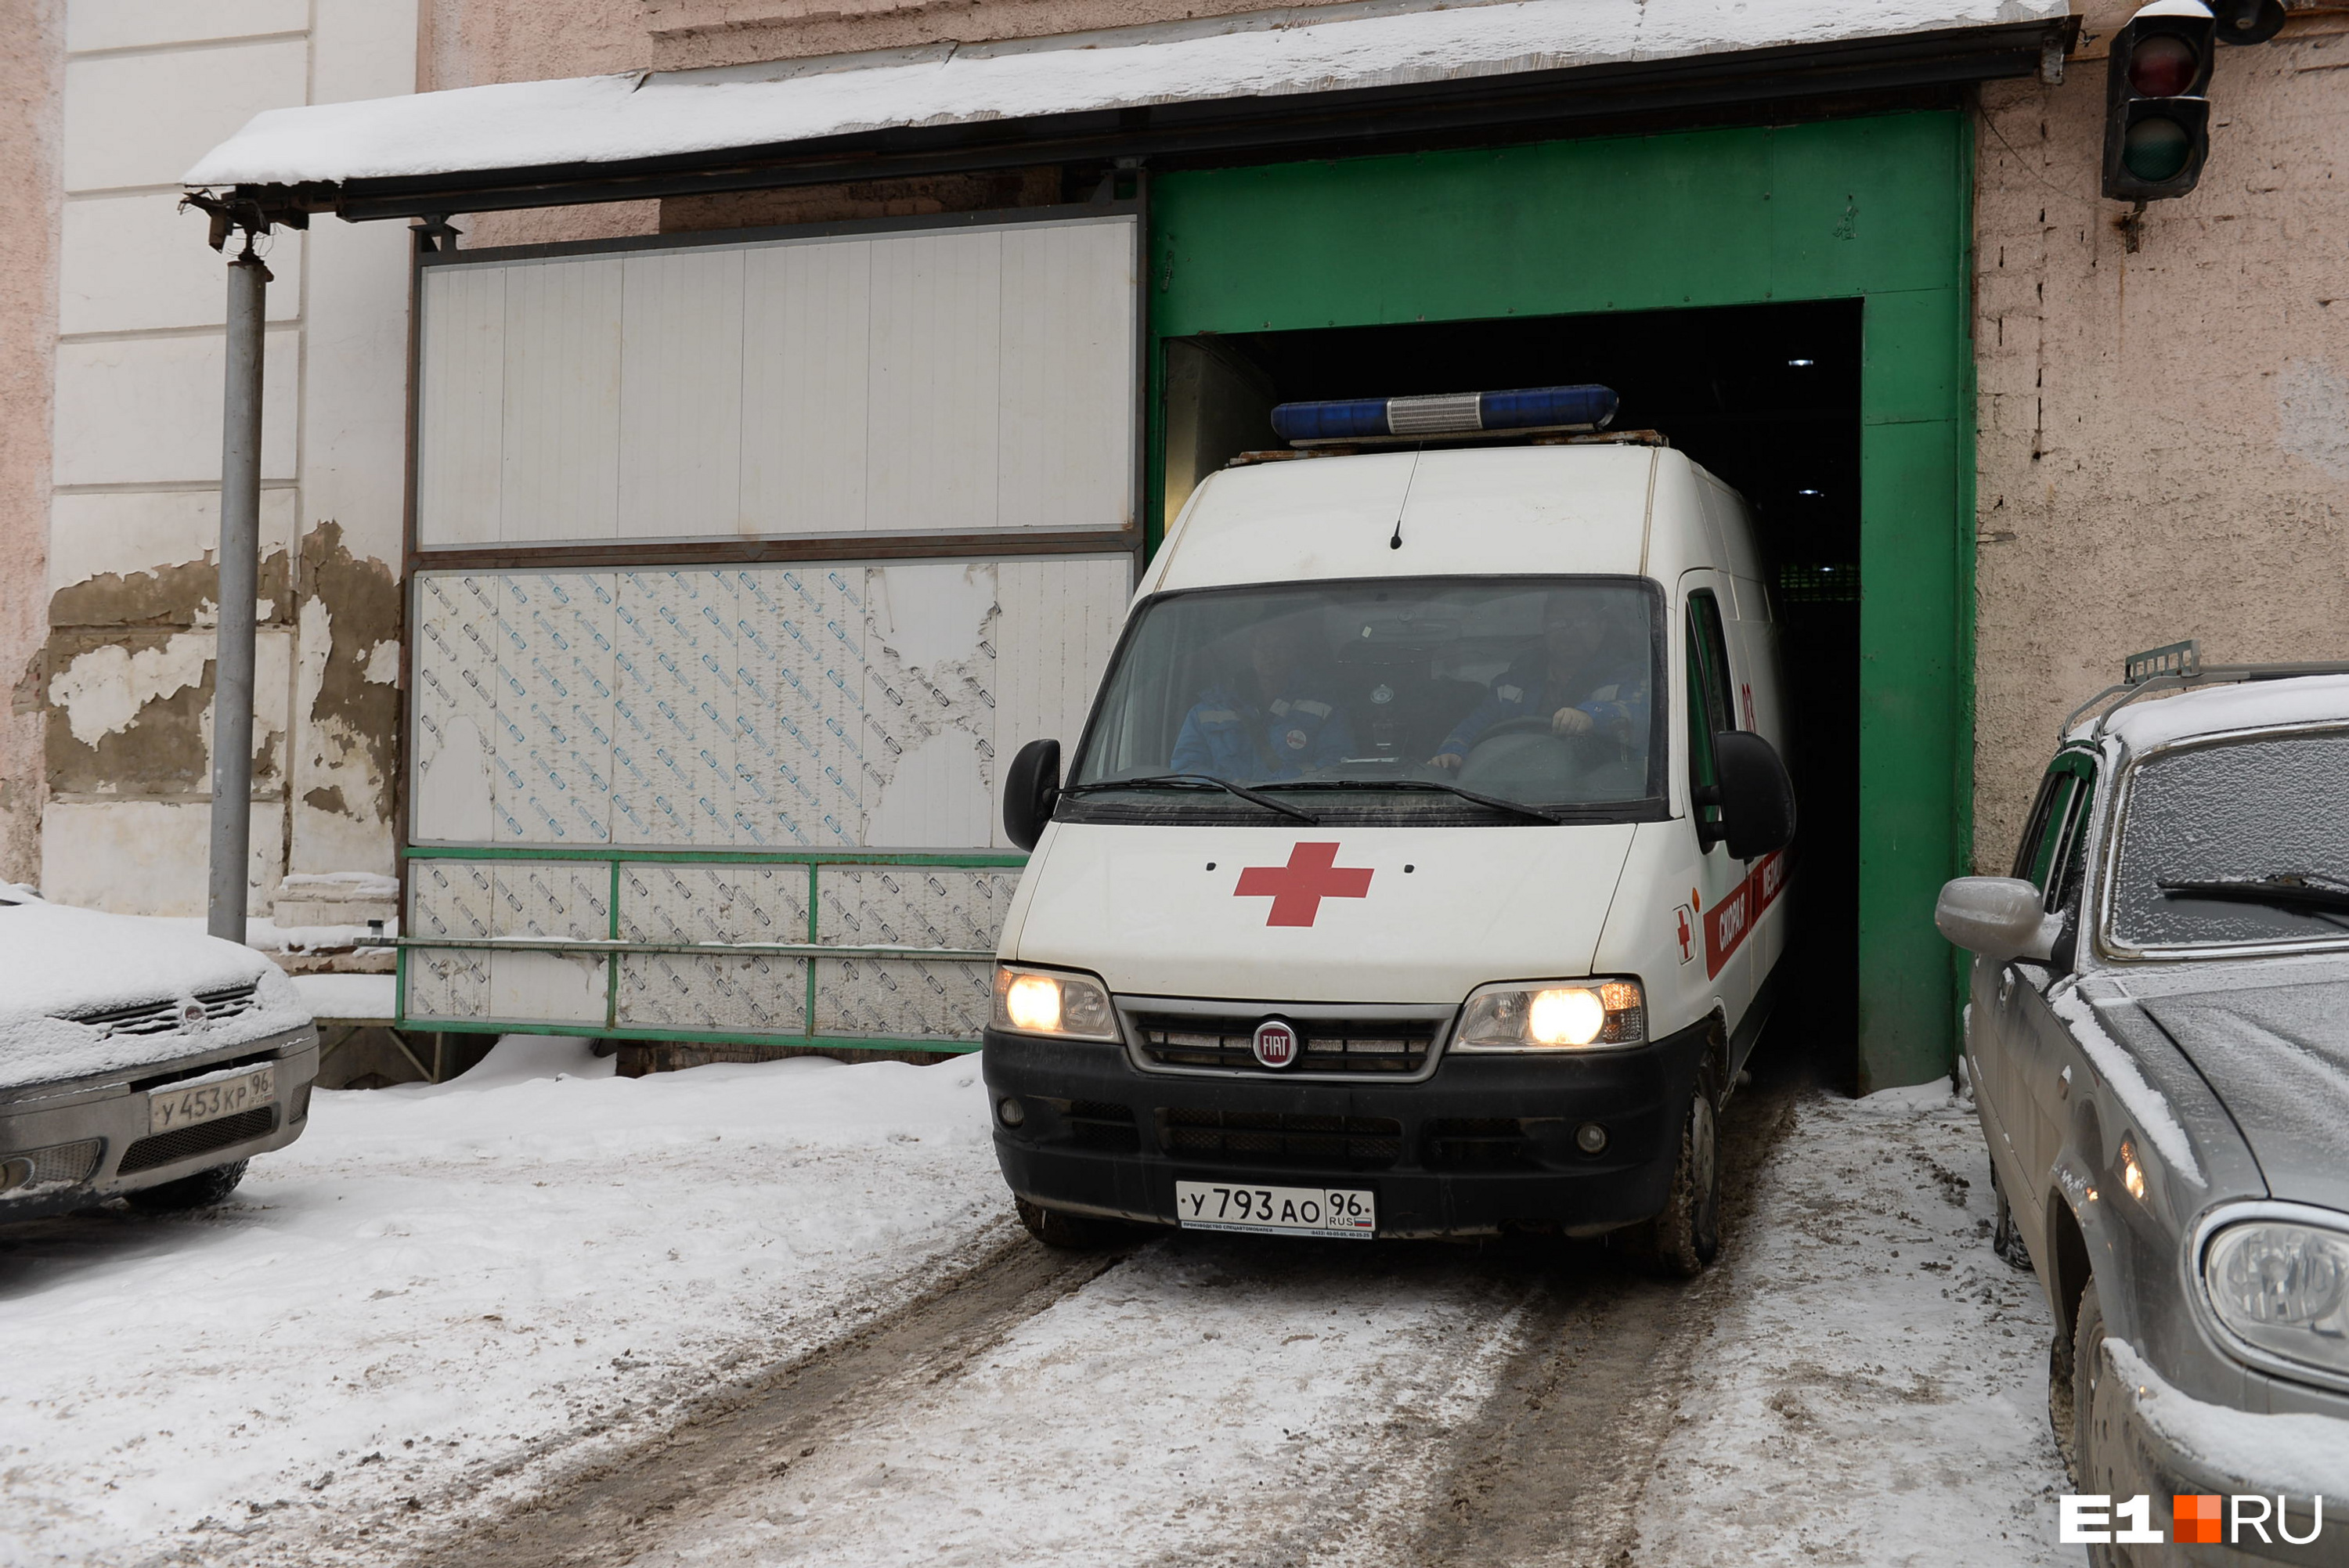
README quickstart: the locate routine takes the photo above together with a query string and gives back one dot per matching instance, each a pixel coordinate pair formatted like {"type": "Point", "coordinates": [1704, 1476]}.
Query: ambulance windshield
{"type": "Point", "coordinates": [1385, 699]}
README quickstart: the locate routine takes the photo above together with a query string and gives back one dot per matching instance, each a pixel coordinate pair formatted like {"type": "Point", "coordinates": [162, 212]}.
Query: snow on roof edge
{"type": "Point", "coordinates": [608, 119]}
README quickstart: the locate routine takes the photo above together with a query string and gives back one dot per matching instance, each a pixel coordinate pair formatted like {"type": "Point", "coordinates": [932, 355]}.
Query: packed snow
{"type": "Point", "coordinates": [1875, 1389]}
{"type": "Point", "coordinates": [55, 960]}
{"type": "Point", "coordinates": [449, 1295]}
{"type": "Point", "coordinates": [2241, 1449]}
{"type": "Point", "coordinates": [348, 996]}
{"type": "Point", "coordinates": [594, 120]}
{"type": "Point", "coordinates": [439, 1289]}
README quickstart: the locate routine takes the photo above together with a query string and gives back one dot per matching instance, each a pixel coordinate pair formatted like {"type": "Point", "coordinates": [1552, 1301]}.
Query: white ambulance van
{"type": "Point", "coordinates": [1421, 871]}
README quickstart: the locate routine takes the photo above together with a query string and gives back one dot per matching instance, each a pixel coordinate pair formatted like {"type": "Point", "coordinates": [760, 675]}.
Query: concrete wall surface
{"type": "Point", "coordinates": [32, 72]}
{"type": "Point", "coordinates": [135, 345]}
{"type": "Point", "coordinates": [2164, 432]}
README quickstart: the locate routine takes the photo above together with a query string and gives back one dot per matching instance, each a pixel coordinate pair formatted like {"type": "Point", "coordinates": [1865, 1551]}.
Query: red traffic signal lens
{"type": "Point", "coordinates": [2155, 149]}
{"type": "Point", "coordinates": [2163, 66]}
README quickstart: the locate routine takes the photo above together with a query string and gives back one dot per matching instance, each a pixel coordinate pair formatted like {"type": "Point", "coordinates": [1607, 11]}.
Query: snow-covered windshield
{"type": "Point", "coordinates": [2237, 842]}
{"type": "Point", "coordinates": [1384, 699]}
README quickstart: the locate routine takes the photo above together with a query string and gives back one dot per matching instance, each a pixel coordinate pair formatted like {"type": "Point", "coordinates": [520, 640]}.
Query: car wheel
{"type": "Point", "coordinates": [1679, 1242]}
{"type": "Point", "coordinates": [1064, 1232]}
{"type": "Point", "coordinates": [2080, 1433]}
{"type": "Point", "coordinates": [2006, 1236]}
{"type": "Point", "coordinates": [200, 1190]}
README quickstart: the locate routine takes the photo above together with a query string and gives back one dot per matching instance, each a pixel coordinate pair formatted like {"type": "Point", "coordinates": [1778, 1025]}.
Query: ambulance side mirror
{"type": "Point", "coordinates": [1757, 798]}
{"type": "Point", "coordinates": [1031, 785]}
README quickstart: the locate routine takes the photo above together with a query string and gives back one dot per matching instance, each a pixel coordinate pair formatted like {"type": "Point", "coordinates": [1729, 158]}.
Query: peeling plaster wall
{"type": "Point", "coordinates": [133, 520]}
{"type": "Point", "coordinates": [2164, 435]}
{"type": "Point", "coordinates": [32, 65]}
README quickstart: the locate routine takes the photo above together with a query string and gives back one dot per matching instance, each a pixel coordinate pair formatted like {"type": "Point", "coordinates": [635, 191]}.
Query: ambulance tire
{"type": "Point", "coordinates": [200, 1190]}
{"type": "Point", "coordinates": [1064, 1232]}
{"type": "Point", "coordinates": [1679, 1242]}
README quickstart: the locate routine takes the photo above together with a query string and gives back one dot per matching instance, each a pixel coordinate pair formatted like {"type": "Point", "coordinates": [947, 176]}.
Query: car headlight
{"type": "Point", "coordinates": [2283, 1288]}
{"type": "Point", "coordinates": [1545, 1014]}
{"type": "Point", "coordinates": [1048, 1002]}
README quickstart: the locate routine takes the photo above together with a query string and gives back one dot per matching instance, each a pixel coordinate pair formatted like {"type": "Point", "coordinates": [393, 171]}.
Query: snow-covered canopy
{"type": "Point", "coordinates": [640, 115]}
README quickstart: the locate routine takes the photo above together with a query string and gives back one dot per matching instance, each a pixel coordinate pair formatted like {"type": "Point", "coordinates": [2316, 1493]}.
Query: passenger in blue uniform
{"type": "Point", "coordinates": [1283, 727]}
{"type": "Point", "coordinates": [1589, 676]}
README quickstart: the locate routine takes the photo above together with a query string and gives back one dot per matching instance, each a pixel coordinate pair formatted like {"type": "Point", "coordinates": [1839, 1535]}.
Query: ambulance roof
{"type": "Point", "coordinates": [1462, 511]}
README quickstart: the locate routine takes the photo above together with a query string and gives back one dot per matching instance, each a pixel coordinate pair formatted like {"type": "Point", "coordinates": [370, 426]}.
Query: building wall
{"type": "Point", "coordinates": [2163, 433]}
{"type": "Point", "coordinates": [134, 470]}
{"type": "Point", "coordinates": [32, 34]}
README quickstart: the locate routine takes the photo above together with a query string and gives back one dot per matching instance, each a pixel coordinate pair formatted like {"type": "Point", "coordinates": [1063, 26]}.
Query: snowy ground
{"type": "Point", "coordinates": [1875, 1390]}
{"type": "Point", "coordinates": [452, 1294]}
{"type": "Point", "coordinates": [438, 1288]}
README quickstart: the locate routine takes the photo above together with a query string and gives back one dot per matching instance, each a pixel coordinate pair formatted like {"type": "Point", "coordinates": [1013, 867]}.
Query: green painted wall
{"type": "Point", "coordinates": [1877, 209]}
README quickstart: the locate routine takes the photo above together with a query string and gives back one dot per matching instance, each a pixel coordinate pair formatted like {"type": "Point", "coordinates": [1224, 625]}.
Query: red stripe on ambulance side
{"type": "Point", "coordinates": [1731, 919]}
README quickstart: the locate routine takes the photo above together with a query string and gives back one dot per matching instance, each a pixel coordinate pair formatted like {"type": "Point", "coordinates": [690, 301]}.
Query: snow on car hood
{"type": "Point", "coordinates": [2278, 1057]}
{"type": "Point", "coordinates": [55, 960]}
{"type": "Point", "coordinates": [1316, 913]}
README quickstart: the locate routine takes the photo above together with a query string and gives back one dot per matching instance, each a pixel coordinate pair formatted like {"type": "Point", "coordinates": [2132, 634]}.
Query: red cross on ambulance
{"type": "Point", "coordinates": [1297, 888]}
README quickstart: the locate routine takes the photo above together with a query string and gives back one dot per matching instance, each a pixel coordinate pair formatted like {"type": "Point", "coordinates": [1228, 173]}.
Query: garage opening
{"type": "Point", "coordinates": [1767, 396]}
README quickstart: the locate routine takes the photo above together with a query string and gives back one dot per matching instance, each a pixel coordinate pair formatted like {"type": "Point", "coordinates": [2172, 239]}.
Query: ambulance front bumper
{"type": "Point", "coordinates": [1484, 1144]}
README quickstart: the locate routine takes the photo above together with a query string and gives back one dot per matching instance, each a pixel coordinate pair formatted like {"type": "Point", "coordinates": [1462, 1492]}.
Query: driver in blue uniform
{"type": "Point", "coordinates": [1284, 727]}
{"type": "Point", "coordinates": [1589, 676]}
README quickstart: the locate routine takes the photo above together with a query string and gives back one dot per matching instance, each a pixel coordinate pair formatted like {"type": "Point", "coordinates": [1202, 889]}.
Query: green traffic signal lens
{"type": "Point", "coordinates": [2156, 149]}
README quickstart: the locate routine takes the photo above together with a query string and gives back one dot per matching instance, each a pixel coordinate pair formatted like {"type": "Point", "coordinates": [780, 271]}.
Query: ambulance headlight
{"type": "Point", "coordinates": [1548, 1014]}
{"type": "Point", "coordinates": [1055, 1003]}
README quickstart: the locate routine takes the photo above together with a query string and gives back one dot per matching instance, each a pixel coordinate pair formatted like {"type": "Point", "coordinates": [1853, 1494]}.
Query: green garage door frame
{"type": "Point", "coordinates": [1877, 209]}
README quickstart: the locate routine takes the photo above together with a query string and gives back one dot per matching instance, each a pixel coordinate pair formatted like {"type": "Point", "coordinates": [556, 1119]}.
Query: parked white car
{"type": "Point", "coordinates": [138, 1061]}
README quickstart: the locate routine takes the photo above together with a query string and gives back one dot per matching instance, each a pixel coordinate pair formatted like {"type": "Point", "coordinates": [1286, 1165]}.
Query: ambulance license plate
{"type": "Point", "coordinates": [1276, 1211]}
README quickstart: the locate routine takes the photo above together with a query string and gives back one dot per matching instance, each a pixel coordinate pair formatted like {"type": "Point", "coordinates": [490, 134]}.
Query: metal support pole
{"type": "Point", "coordinates": [240, 583]}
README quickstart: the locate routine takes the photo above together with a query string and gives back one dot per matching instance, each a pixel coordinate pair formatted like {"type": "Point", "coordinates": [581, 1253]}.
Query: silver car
{"type": "Point", "coordinates": [2158, 1041]}
{"type": "Point", "coordinates": [139, 1061]}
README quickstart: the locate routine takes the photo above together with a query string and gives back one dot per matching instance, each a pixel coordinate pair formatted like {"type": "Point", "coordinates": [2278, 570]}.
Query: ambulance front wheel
{"type": "Point", "coordinates": [1679, 1242]}
{"type": "Point", "coordinates": [1064, 1232]}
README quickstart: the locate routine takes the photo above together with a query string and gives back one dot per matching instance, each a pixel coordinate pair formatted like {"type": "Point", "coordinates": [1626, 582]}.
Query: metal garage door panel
{"type": "Point", "coordinates": [806, 338]}
{"type": "Point", "coordinates": [965, 380]}
{"type": "Point", "coordinates": [1067, 378]}
{"type": "Point", "coordinates": [460, 403]}
{"type": "Point", "coordinates": [560, 447]}
{"type": "Point", "coordinates": [932, 396]}
{"type": "Point", "coordinates": [681, 394]}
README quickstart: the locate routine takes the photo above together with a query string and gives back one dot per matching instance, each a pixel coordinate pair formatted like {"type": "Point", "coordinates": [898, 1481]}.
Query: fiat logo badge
{"type": "Point", "coordinates": [1275, 1043]}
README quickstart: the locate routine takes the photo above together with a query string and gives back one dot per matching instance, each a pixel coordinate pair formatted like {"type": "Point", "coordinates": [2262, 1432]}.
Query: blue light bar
{"type": "Point", "coordinates": [1530, 408]}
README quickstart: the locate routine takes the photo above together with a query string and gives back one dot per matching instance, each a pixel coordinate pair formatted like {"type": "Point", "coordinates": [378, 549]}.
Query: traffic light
{"type": "Point", "coordinates": [2157, 120]}
{"type": "Point", "coordinates": [2248, 21]}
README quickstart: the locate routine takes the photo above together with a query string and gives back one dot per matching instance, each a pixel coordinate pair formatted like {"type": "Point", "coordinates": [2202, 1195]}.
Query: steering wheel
{"type": "Point", "coordinates": [1523, 724]}
{"type": "Point", "coordinates": [1585, 751]}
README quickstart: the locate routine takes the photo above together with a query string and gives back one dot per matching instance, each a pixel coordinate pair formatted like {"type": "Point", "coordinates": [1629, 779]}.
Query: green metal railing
{"type": "Point", "coordinates": [614, 945]}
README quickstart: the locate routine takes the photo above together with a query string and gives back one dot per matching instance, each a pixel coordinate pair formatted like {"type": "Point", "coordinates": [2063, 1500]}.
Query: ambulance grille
{"type": "Point", "coordinates": [1100, 1124]}
{"type": "Point", "coordinates": [1265, 1138]}
{"type": "Point", "coordinates": [1396, 1048]}
{"type": "Point", "coordinates": [1480, 1143]}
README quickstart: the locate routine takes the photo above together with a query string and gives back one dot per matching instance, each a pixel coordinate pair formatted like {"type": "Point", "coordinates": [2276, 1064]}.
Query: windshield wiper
{"type": "Point", "coordinates": [2287, 890]}
{"type": "Point", "coordinates": [1194, 782]}
{"type": "Point", "coordinates": [1516, 809]}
